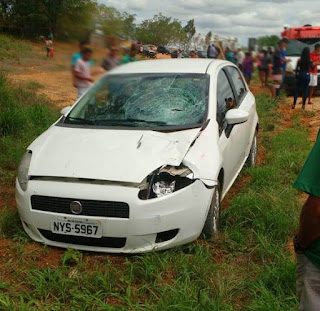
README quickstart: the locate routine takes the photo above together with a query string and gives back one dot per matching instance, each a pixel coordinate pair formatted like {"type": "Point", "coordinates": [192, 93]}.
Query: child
{"type": "Point", "coordinates": [82, 72]}
{"type": "Point", "coordinates": [49, 46]}
{"type": "Point", "coordinates": [248, 67]}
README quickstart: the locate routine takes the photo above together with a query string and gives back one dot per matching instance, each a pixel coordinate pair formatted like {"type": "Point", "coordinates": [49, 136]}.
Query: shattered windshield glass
{"type": "Point", "coordinates": [144, 100]}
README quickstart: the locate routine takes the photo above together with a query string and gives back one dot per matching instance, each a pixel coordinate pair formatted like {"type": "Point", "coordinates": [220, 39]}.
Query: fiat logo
{"type": "Point", "coordinates": [76, 207]}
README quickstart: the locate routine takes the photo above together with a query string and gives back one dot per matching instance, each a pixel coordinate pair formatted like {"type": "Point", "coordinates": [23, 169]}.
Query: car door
{"type": "Point", "coordinates": [229, 136]}
{"type": "Point", "coordinates": [245, 101]}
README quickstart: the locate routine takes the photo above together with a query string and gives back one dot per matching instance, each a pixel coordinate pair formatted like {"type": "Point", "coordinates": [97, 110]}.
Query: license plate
{"type": "Point", "coordinates": [76, 227]}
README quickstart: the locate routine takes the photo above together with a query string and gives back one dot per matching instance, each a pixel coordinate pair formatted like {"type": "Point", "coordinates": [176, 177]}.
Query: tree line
{"type": "Point", "coordinates": [77, 19]}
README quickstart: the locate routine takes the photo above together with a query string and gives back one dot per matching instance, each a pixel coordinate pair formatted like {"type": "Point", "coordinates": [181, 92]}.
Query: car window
{"type": "Point", "coordinates": [239, 85]}
{"type": "Point", "coordinates": [225, 100]}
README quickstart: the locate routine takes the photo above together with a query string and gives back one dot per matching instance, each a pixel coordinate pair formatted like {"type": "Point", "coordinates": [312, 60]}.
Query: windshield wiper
{"type": "Point", "coordinates": [145, 121]}
{"type": "Point", "coordinates": [113, 122]}
{"type": "Point", "coordinates": [80, 120]}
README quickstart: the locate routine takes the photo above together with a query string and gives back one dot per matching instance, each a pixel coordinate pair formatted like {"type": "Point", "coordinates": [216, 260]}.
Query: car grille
{"type": "Point", "coordinates": [89, 207]}
{"type": "Point", "coordinates": [80, 240]}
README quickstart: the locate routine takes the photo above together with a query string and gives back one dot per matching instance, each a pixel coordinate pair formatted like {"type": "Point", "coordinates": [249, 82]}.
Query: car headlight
{"type": "Point", "coordinates": [23, 170]}
{"type": "Point", "coordinates": [162, 188]}
{"type": "Point", "coordinates": [166, 180]}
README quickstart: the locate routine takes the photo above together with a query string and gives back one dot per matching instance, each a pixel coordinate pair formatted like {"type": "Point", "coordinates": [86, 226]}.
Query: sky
{"type": "Point", "coordinates": [228, 18]}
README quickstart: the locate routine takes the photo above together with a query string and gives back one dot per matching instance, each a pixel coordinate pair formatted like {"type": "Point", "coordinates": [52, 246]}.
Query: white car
{"type": "Point", "coordinates": [142, 160]}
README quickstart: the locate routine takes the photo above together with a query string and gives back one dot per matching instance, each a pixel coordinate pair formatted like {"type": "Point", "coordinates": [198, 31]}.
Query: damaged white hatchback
{"type": "Point", "coordinates": [142, 160]}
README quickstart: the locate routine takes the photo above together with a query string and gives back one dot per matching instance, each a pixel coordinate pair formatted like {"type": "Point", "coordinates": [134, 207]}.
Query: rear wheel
{"type": "Point", "coordinates": [252, 158]}
{"type": "Point", "coordinates": [211, 226]}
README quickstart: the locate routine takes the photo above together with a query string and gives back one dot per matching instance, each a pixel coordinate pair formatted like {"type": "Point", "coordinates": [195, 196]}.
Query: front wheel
{"type": "Point", "coordinates": [252, 158]}
{"type": "Point", "coordinates": [211, 226]}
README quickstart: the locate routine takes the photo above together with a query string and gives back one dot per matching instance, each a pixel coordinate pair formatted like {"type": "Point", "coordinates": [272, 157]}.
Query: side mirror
{"type": "Point", "coordinates": [65, 110]}
{"type": "Point", "coordinates": [236, 116]}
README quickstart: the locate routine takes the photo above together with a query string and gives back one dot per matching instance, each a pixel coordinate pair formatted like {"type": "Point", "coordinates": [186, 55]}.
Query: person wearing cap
{"type": "Point", "coordinates": [307, 241]}
{"type": "Point", "coordinates": [112, 60]}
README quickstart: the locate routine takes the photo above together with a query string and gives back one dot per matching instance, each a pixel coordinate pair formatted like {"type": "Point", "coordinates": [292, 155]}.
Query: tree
{"type": "Point", "coordinates": [208, 38]}
{"type": "Point", "coordinates": [160, 30]}
{"type": "Point", "coordinates": [267, 41]}
{"type": "Point", "coordinates": [190, 31]}
{"type": "Point", "coordinates": [31, 18]}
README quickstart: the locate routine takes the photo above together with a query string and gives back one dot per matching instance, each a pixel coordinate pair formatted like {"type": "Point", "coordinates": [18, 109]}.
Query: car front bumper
{"type": "Point", "coordinates": [183, 212]}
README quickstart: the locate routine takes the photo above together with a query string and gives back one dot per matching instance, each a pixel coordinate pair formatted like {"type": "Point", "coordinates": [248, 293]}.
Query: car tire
{"type": "Point", "coordinates": [252, 158]}
{"type": "Point", "coordinates": [211, 226]}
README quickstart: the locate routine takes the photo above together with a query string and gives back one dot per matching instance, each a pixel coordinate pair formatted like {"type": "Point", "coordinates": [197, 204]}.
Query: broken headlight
{"type": "Point", "coordinates": [166, 180]}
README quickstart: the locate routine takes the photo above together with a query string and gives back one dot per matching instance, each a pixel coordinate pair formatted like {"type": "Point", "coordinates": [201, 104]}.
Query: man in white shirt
{"type": "Point", "coordinates": [82, 72]}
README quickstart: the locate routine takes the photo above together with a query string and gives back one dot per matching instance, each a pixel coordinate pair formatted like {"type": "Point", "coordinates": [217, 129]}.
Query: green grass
{"type": "Point", "coordinates": [34, 85]}
{"type": "Point", "coordinates": [246, 268]}
{"type": "Point", "coordinates": [23, 116]}
{"type": "Point", "coordinates": [11, 48]}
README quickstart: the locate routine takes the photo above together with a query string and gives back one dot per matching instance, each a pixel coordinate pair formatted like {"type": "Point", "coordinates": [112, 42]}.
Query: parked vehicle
{"type": "Point", "coordinates": [184, 54]}
{"type": "Point", "coordinates": [143, 165]}
{"type": "Point", "coordinates": [299, 38]}
{"type": "Point", "coordinates": [163, 50]}
{"type": "Point", "coordinates": [172, 48]}
{"type": "Point", "coordinates": [174, 54]}
{"type": "Point", "coordinates": [150, 51]}
{"type": "Point", "coordinates": [202, 54]}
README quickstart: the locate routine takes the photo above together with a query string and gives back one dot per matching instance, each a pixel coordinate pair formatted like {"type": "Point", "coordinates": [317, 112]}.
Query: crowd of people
{"type": "Point", "coordinates": [271, 64]}
{"type": "Point", "coordinates": [245, 61]}
{"type": "Point", "coordinates": [81, 65]}
{"type": "Point", "coordinates": [306, 75]}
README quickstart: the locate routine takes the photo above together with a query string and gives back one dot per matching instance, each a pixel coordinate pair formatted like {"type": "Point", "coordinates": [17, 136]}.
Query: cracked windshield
{"type": "Point", "coordinates": [177, 100]}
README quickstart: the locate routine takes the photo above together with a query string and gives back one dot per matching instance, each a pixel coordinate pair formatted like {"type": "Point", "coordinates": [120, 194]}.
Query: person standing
{"type": "Point", "coordinates": [240, 59]}
{"type": "Point", "coordinates": [230, 56]}
{"type": "Point", "coordinates": [82, 72]}
{"type": "Point", "coordinates": [112, 60]}
{"type": "Point", "coordinates": [130, 57]}
{"type": "Point", "coordinates": [277, 68]}
{"type": "Point", "coordinates": [307, 241]}
{"type": "Point", "coordinates": [49, 46]}
{"type": "Point", "coordinates": [78, 55]}
{"type": "Point", "coordinates": [284, 44]}
{"type": "Point", "coordinates": [193, 54]}
{"type": "Point", "coordinates": [82, 46]}
{"type": "Point", "coordinates": [211, 51]}
{"type": "Point", "coordinates": [248, 67]}
{"type": "Point", "coordinates": [263, 67]}
{"type": "Point", "coordinates": [303, 77]}
{"type": "Point", "coordinates": [315, 58]}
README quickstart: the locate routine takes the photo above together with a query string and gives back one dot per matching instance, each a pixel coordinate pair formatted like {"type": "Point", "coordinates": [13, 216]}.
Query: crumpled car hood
{"type": "Point", "coordinates": [104, 154]}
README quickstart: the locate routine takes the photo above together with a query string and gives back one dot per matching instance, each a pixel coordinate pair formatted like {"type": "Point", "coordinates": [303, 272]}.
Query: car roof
{"type": "Point", "coordinates": [190, 65]}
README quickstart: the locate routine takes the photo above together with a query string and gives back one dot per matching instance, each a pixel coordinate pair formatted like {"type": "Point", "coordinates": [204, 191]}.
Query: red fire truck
{"type": "Point", "coordinates": [299, 38]}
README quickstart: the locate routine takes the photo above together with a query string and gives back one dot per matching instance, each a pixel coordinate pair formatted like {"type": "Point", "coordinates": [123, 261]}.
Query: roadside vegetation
{"type": "Point", "coordinates": [12, 49]}
{"type": "Point", "coordinates": [23, 116]}
{"type": "Point", "coordinates": [248, 267]}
